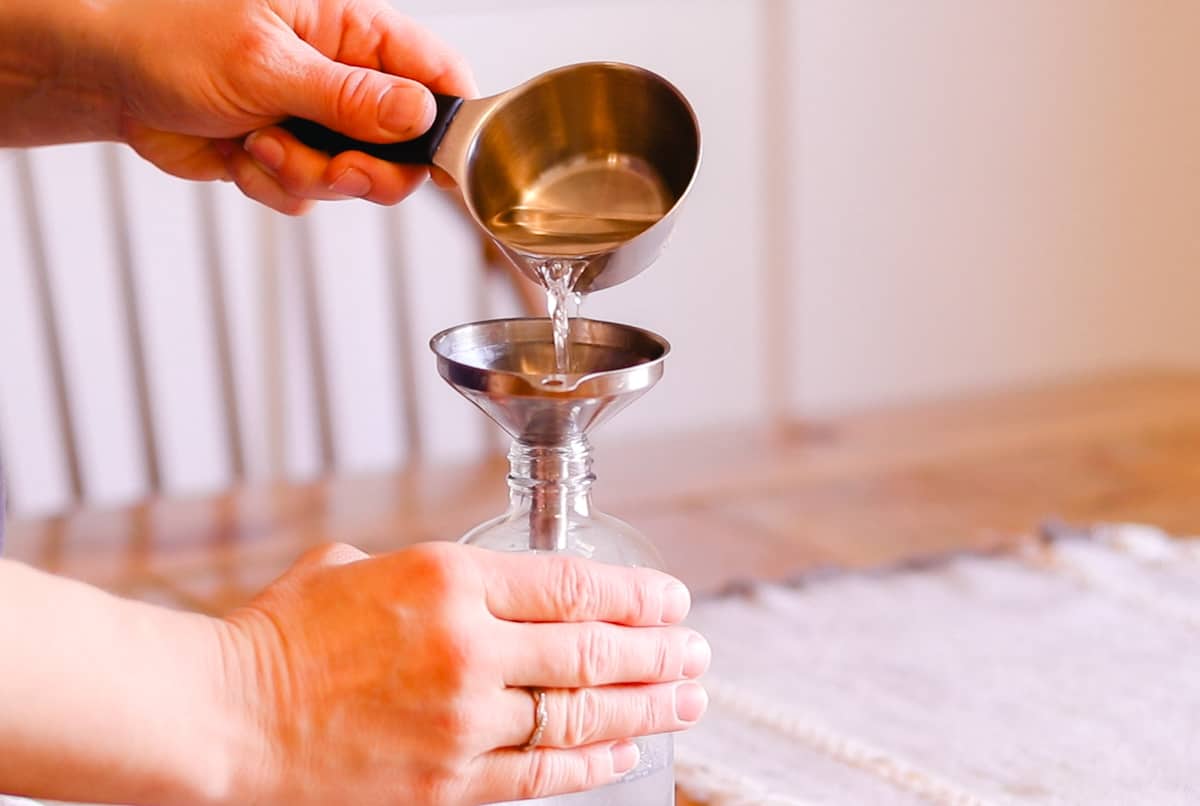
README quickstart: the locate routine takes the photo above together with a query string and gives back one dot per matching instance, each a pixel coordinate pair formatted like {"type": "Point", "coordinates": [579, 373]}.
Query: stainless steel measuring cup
{"type": "Point", "coordinates": [586, 163]}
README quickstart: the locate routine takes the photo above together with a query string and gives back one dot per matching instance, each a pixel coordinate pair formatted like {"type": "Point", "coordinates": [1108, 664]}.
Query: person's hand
{"type": "Point", "coordinates": [404, 678]}
{"type": "Point", "coordinates": [194, 78]}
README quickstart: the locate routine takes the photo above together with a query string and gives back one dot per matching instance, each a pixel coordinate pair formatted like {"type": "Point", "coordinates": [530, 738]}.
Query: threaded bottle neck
{"type": "Point", "coordinates": [567, 466]}
{"type": "Point", "coordinates": [554, 482]}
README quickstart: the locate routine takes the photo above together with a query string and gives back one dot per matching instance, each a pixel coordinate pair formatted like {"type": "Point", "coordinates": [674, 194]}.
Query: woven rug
{"type": "Point", "coordinates": [1067, 672]}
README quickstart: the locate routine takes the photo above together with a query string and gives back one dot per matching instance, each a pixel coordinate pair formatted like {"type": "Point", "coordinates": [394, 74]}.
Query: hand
{"type": "Point", "coordinates": [195, 77]}
{"type": "Point", "coordinates": [408, 673]}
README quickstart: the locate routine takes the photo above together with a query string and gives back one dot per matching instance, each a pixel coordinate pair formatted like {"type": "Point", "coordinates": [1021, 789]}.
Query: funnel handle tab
{"type": "Point", "coordinates": [418, 151]}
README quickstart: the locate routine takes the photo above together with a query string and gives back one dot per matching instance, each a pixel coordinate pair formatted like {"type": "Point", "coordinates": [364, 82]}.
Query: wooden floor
{"type": "Point", "coordinates": [757, 503]}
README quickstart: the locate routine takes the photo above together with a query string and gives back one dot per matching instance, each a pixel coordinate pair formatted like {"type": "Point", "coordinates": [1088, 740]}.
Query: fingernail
{"type": "Point", "coordinates": [352, 182]}
{"type": "Point", "coordinates": [676, 603]}
{"type": "Point", "coordinates": [624, 757]}
{"type": "Point", "coordinates": [406, 111]}
{"type": "Point", "coordinates": [266, 150]}
{"type": "Point", "coordinates": [697, 656]}
{"type": "Point", "coordinates": [691, 701]}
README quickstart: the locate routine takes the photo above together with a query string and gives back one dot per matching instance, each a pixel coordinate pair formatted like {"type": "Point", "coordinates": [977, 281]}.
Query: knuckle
{"type": "Point", "coordinates": [646, 607]}
{"type": "Point", "coordinates": [256, 43]}
{"type": "Point", "coordinates": [292, 206]}
{"type": "Point", "coordinates": [655, 712]}
{"type": "Point", "coordinates": [542, 777]}
{"type": "Point", "coordinates": [456, 657]}
{"type": "Point", "coordinates": [585, 719]}
{"type": "Point", "coordinates": [456, 66]}
{"type": "Point", "coordinates": [596, 656]}
{"type": "Point", "coordinates": [667, 659]}
{"type": "Point", "coordinates": [296, 186]}
{"type": "Point", "coordinates": [333, 554]}
{"type": "Point", "coordinates": [438, 567]}
{"type": "Point", "coordinates": [595, 771]}
{"type": "Point", "coordinates": [457, 716]}
{"type": "Point", "coordinates": [389, 196]}
{"type": "Point", "coordinates": [577, 590]}
{"type": "Point", "coordinates": [454, 723]}
{"type": "Point", "coordinates": [437, 787]}
{"type": "Point", "coordinates": [353, 94]}
{"type": "Point", "coordinates": [316, 556]}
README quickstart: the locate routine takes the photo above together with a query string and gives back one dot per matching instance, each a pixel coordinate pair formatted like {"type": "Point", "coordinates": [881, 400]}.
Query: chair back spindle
{"type": "Point", "coordinates": [51, 325]}
{"type": "Point", "coordinates": [132, 318]}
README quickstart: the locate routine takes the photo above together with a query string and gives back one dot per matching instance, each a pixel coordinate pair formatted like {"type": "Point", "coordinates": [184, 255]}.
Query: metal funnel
{"type": "Point", "coordinates": [506, 368]}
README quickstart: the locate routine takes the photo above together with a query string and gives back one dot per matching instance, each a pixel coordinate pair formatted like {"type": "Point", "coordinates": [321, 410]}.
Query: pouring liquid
{"type": "Point", "coordinates": [573, 214]}
{"type": "Point", "coordinates": [559, 277]}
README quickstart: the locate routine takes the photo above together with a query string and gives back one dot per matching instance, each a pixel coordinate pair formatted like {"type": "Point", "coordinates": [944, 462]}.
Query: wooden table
{"type": "Point", "coordinates": [757, 503]}
{"type": "Point", "coordinates": [723, 506]}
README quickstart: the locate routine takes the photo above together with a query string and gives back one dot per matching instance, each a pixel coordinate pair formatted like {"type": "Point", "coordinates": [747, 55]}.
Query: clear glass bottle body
{"type": "Point", "coordinates": [550, 511]}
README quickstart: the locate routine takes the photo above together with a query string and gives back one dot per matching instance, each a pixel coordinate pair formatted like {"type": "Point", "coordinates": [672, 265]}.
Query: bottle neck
{"type": "Point", "coordinates": [551, 482]}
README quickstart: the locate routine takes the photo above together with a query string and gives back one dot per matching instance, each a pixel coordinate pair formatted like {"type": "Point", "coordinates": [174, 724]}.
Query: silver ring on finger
{"type": "Point", "coordinates": [541, 715]}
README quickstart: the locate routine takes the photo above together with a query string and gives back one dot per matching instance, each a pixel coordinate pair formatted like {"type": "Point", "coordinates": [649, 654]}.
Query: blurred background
{"type": "Point", "coordinates": [897, 202]}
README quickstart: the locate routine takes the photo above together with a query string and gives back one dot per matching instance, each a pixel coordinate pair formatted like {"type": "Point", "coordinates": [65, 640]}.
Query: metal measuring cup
{"type": "Point", "coordinates": [587, 163]}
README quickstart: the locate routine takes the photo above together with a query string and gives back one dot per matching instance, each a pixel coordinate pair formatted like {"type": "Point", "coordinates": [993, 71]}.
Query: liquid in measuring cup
{"type": "Point", "coordinates": [586, 206]}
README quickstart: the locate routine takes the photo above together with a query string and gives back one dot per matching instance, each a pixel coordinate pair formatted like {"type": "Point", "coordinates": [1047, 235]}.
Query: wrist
{"type": "Point", "coordinates": [57, 76]}
{"type": "Point", "coordinates": [242, 694]}
{"type": "Point", "coordinates": [204, 731]}
{"type": "Point", "coordinates": [198, 731]}
{"type": "Point", "coordinates": [115, 701]}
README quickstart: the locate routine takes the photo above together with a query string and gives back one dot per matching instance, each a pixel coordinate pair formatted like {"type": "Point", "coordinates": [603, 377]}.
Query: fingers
{"type": "Point", "coordinates": [309, 174]}
{"type": "Point", "coordinates": [518, 775]}
{"type": "Point", "coordinates": [378, 36]}
{"type": "Point", "coordinates": [540, 588]}
{"type": "Point", "coordinates": [442, 179]}
{"type": "Point", "coordinates": [367, 74]}
{"type": "Point", "coordinates": [362, 103]}
{"type": "Point", "coordinates": [182, 155]}
{"type": "Point", "coordinates": [586, 716]}
{"type": "Point", "coordinates": [584, 655]}
{"type": "Point", "coordinates": [410, 50]}
{"type": "Point", "coordinates": [254, 181]}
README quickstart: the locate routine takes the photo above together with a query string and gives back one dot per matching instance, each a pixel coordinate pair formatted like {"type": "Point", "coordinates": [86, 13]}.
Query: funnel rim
{"type": "Point", "coordinates": [601, 383]}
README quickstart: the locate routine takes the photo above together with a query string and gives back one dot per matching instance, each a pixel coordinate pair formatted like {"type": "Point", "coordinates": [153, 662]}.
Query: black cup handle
{"type": "Point", "coordinates": [418, 151]}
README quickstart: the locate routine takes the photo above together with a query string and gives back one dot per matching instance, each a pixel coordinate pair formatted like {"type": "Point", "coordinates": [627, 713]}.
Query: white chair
{"type": "Point", "coordinates": [263, 343]}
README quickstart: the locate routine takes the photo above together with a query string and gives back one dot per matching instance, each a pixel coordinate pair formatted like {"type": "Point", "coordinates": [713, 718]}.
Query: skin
{"type": "Point", "coordinates": [194, 87]}
{"type": "Point", "coordinates": [398, 679]}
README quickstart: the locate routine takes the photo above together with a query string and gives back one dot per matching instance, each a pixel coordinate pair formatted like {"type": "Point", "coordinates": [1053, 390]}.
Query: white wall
{"type": "Point", "coordinates": [897, 201]}
{"type": "Point", "coordinates": [990, 193]}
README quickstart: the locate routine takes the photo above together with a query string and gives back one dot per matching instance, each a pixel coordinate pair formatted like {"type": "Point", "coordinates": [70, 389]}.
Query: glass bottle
{"type": "Point", "coordinates": [550, 510]}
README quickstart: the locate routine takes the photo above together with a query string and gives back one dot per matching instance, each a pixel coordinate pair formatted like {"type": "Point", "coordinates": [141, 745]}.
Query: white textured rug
{"type": "Point", "coordinates": [1066, 674]}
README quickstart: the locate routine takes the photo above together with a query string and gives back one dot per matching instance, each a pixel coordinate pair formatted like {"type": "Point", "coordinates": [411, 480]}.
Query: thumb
{"type": "Point", "coordinates": [356, 101]}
